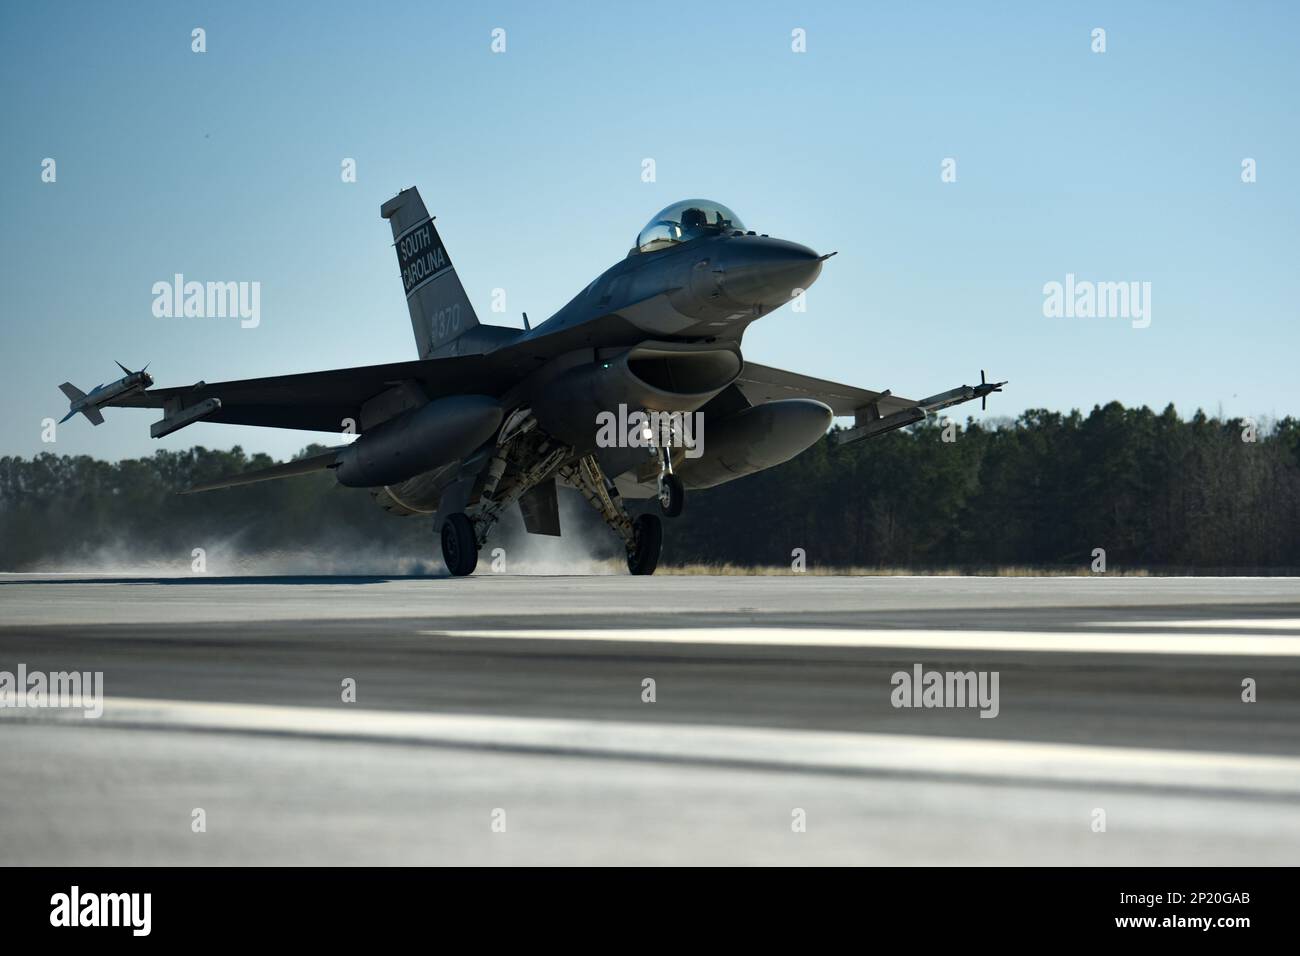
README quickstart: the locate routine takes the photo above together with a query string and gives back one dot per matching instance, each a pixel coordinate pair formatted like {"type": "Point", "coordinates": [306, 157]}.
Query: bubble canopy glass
{"type": "Point", "coordinates": [685, 220]}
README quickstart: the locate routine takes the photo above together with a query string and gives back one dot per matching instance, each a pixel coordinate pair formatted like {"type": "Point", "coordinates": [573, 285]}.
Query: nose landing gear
{"type": "Point", "coordinates": [672, 496]}
{"type": "Point", "coordinates": [672, 493]}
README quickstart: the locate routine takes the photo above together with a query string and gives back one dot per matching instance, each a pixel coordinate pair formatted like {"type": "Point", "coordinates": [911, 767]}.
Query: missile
{"type": "Point", "coordinates": [89, 404]}
{"type": "Point", "coordinates": [869, 422]}
{"type": "Point", "coordinates": [963, 393]}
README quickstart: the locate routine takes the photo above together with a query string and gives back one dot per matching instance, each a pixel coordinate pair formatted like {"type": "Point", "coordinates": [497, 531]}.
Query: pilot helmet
{"type": "Point", "coordinates": [693, 219]}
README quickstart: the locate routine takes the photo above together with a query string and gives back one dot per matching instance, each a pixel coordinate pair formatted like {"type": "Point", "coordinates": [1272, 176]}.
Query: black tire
{"type": "Point", "coordinates": [647, 540]}
{"type": "Point", "coordinates": [673, 497]}
{"type": "Point", "coordinates": [459, 548]}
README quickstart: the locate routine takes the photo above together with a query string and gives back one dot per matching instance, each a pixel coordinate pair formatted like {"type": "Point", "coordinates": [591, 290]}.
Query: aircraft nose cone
{"type": "Point", "coordinates": [769, 272]}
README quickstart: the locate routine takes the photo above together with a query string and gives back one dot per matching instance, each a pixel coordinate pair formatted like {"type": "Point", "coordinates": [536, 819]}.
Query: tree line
{"type": "Point", "coordinates": [1153, 490]}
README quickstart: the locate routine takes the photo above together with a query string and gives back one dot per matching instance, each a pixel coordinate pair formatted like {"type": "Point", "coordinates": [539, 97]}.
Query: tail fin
{"type": "Point", "coordinates": [440, 309]}
{"type": "Point", "coordinates": [74, 395]}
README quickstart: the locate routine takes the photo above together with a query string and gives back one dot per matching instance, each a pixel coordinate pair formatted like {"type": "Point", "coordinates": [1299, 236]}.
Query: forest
{"type": "Point", "coordinates": [1157, 492]}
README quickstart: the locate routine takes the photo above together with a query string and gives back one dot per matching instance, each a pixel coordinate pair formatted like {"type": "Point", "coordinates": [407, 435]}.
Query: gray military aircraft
{"type": "Point", "coordinates": [613, 395]}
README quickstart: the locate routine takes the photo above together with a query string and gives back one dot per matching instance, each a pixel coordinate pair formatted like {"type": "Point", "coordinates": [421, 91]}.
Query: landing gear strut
{"type": "Point", "coordinates": [672, 496]}
{"type": "Point", "coordinates": [459, 545]}
{"type": "Point", "coordinates": [643, 537]}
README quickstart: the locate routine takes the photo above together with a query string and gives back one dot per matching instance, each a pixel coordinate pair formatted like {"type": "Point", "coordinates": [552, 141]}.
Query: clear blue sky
{"type": "Point", "coordinates": [225, 166]}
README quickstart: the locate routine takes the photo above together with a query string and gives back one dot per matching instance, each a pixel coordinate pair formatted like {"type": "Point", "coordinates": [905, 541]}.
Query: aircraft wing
{"type": "Point", "coordinates": [762, 384]}
{"type": "Point", "coordinates": [320, 401]}
{"type": "Point", "coordinates": [874, 413]}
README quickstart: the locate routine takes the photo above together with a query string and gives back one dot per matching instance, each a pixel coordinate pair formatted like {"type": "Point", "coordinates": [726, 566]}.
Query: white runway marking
{"type": "Point", "coordinates": [1240, 624]}
{"type": "Point", "coordinates": [1066, 764]}
{"type": "Point", "coordinates": [1108, 642]}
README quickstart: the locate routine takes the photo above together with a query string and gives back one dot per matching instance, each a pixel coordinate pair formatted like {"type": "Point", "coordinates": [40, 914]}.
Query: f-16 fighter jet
{"type": "Point", "coordinates": [635, 389]}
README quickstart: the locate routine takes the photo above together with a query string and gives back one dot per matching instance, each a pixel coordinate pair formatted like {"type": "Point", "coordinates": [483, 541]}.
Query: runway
{"type": "Point", "coordinates": [506, 719]}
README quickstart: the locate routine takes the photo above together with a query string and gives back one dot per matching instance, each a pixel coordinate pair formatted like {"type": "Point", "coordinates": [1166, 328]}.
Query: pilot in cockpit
{"type": "Point", "coordinates": [686, 220]}
{"type": "Point", "coordinates": [693, 220]}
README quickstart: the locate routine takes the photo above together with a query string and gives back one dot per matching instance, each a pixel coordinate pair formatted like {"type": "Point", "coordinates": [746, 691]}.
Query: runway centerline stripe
{"type": "Point", "coordinates": [1101, 642]}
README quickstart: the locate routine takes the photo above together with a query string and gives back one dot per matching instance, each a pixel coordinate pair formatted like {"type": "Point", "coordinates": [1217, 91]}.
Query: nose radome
{"type": "Point", "coordinates": [769, 272]}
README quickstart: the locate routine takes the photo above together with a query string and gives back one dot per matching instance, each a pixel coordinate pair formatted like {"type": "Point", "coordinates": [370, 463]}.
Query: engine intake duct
{"type": "Point", "coordinates": [680, 373]}
{"type": "Point", "coordinates": [653, 376]}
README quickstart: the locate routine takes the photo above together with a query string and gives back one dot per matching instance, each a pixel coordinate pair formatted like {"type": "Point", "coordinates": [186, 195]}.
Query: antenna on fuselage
{"type": "Point", "coordinates": [527, 327]}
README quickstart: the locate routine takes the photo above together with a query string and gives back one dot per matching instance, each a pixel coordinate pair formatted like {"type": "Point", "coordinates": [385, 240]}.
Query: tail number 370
{"type": "Point", "coordinates": [446, 321]}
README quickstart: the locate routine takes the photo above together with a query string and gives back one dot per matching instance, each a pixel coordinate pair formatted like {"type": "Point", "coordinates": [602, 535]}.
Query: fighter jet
{"type": "Point", "coordinates": [489, 417]}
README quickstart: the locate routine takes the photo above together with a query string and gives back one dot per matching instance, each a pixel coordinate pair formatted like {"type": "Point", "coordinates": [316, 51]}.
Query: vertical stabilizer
{"type": "Point", "coordinates": [440, 309]}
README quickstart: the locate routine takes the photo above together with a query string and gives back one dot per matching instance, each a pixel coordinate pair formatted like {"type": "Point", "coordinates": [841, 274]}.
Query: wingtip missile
{"type": "Point", "coordinates": [89, 404]}
{"type": "Point", "coordinates": [140, 379]}
{"type": "Point", "coordinates": [986, 388]}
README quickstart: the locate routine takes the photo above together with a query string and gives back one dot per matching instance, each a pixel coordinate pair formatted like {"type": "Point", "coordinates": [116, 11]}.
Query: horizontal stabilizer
{"type": "Point", "coordinates": [302, 466]}
{"type": "Point", "coordinates": [71, 391]}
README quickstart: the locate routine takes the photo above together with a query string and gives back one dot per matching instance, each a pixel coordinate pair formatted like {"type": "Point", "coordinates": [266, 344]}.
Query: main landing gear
{"type": "Point", "coordinates": [459, 546]}
{"type": "Point", "coordinates": [524, 458]}
{"type": "Point", "coordinates": [643, 537]}
{"type": "Point", "coordinates": [463, 533]}
{"type": "Point", "coordinates": [647, 540]}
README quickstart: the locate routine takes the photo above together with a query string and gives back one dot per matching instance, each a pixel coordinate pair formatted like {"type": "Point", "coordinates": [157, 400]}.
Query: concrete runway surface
{"type": "Point", "coordinates": [500, 720]}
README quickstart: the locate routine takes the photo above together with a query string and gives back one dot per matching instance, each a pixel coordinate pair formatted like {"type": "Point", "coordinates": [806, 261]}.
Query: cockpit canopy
{"type": "Point", "coordinates": [686, 220]}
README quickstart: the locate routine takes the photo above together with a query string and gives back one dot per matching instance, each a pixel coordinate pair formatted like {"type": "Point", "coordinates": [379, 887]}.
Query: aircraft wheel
{"type": "Point", "coordinates": [647, 539]}
{"type": "Point", "coordinates": [459, 548]}
{"type": "Point", "coordinates": [672, 496]}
